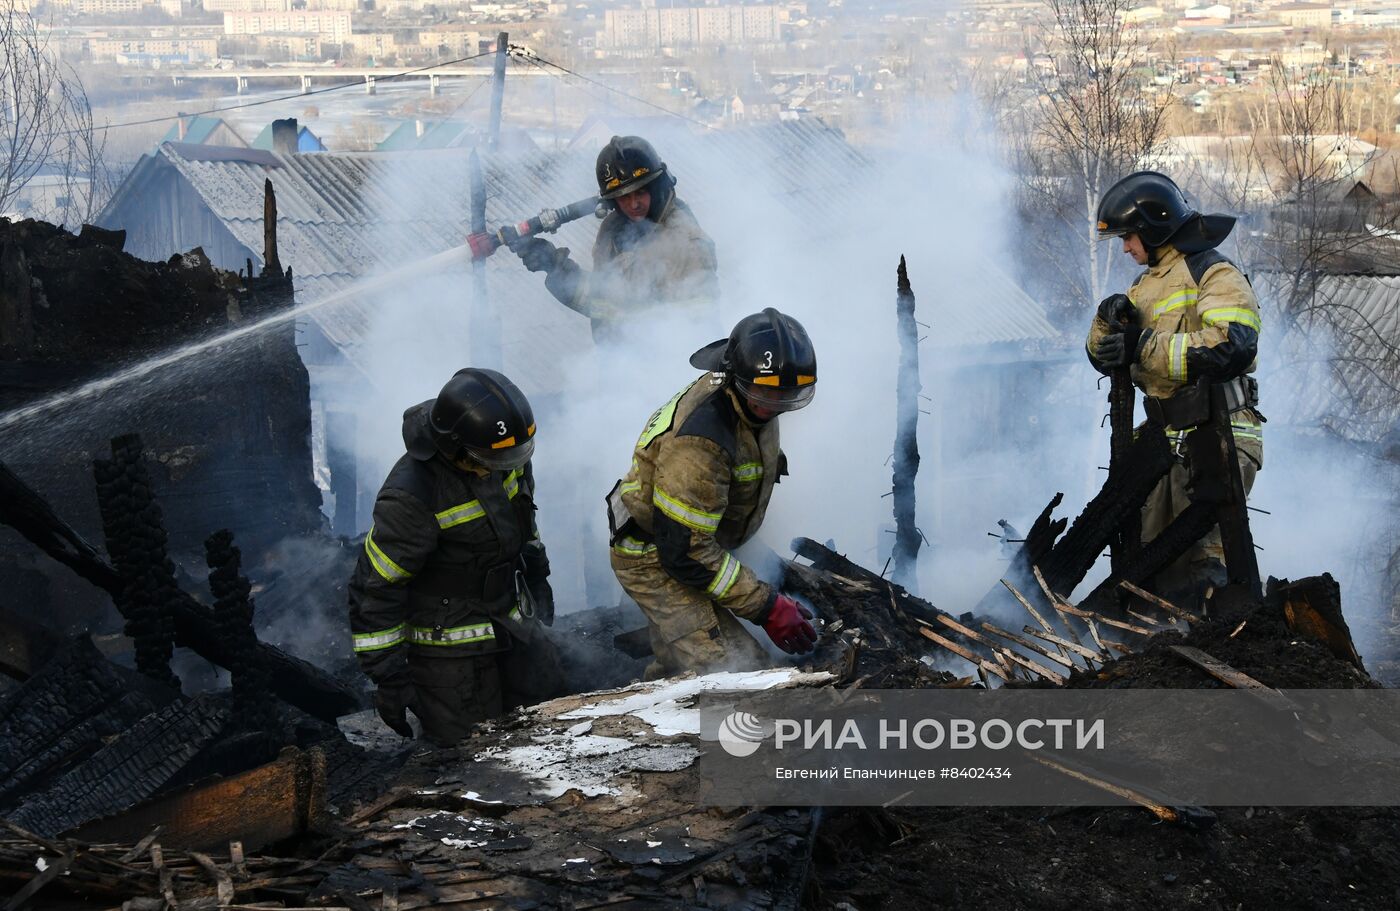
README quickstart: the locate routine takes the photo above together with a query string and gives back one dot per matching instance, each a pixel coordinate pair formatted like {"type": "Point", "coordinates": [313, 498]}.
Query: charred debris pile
{"type": "Point", "coordinates": [117, 789]}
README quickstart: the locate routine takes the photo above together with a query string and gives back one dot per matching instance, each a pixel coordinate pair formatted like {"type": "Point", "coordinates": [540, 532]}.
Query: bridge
{"type": "Point", "coordinates": [307, 75]}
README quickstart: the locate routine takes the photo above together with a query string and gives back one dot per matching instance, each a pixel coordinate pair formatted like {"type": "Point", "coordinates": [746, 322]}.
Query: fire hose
{"type": "Point", "coordinates": [483, 243]}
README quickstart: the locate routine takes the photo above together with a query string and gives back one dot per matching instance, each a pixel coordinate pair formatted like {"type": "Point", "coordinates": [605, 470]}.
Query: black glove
{"type": "Point", "coordinates": [1119, 349]}
{"type": "Point", "coordinates": [543, 597]}
{"type": "Point", "coordinates": [538, 254]}
{"type": "Point", "coordinates": [1118, 311]}
{"type": "Point", "coordinates": [392, 700]}
{"type": "Point", "coordinates": [535, 568]}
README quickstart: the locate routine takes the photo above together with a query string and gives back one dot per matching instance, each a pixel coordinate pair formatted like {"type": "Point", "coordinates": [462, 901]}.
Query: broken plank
{"type": "Point", "coordinates": [1150, 621]}
{"type": "Point", "coordinates": [1163, 603]}
{"type": "Point", "coordinates": [275, 801]}
{"type": "Point", "coordinates": [223, 883]}
{"type": "Point", "coordinates": [1160, 810]}
{"type": "Point", "coordinates": [1032, 611]}
{"type": "Point", "coordinates": [53, 871]}
{"type": "Point", "coordinates": [1028, 644]}
{"type": "Point", "coordinates": [1219, 669]}
{"type": "Point", "coordinates": [977, 660]}
{"type": "Point", "coordinates": [1107, 621]}
{"type": "Point", "coordinates": [1063, 643]}
{"type": "Point", "coordinates": [1035, 667]}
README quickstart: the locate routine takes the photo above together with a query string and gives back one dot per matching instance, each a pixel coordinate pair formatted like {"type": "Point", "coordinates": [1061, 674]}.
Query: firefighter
{"type": "Point", "coordinates": [702, 473]}
{"type": "Point", "coordinates": [650, 250]}
{"type": "Point", "coordinates": [452, 587]}
{"type": "Point", "coordinates": [1191, 315]}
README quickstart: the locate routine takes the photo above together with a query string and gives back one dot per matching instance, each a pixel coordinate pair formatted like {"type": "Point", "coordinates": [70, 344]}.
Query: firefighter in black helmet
{"type": "Point", "coordinates": [1191, 316]}
{"type": "Point", "coordinates": [702, 474]}
{"type": "Point", "coordinates": [449, 594]}
{"type": "Point", "coordinates": [650, 250]}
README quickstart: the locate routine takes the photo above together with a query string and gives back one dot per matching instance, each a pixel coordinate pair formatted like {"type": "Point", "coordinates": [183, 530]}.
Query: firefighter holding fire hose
{"type": "Point", "coordinates": [451, 589]}
{"type": "Point", "coordinates": [650, 250]}
{"type": "Point", "coordinates": [702, 474]}
{"type": "Point", "coordinates": [1191, 315]}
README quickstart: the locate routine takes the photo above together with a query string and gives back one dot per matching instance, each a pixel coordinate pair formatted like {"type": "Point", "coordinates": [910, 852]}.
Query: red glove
{"type": "Point", "coordinates": [787, 625]}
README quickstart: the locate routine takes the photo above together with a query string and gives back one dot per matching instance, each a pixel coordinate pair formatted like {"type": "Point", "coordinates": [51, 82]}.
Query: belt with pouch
{"type": "Point", "coordinates": [1190, 407]}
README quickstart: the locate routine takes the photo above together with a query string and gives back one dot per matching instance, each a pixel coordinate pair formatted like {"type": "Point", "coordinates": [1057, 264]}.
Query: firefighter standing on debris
{"type": "Point", "coordinates": [450, 591]}
{"type": "Point", "coordinates": [650, 250]}
{"type": "Point", "coordinates": [702, 473]}
{"type": "Point", "coordinates": [1191, 316]}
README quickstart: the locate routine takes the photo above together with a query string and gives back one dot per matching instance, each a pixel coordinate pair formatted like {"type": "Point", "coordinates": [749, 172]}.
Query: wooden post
{"type": "Point", "coordinates": [498, 90]}
{"type": "Point", "coordinates": [271, 262]}
{"type": "Point", "coordinates": [906, 444]}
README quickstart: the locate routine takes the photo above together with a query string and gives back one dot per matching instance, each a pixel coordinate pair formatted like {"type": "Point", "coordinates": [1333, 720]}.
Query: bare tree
{"type": "Point", "coordinates": [46, 124]}
{"type": "Point", "coordinates": [1094, 114]}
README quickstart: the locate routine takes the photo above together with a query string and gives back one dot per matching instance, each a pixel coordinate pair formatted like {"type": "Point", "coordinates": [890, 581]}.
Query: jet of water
{"type": "Point", "coordinates": [97, 387]}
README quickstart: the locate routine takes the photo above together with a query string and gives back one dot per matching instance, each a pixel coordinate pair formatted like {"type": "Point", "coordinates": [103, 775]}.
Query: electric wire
{"type": "Point", "coordinates": [515, 49]}
{"type": "Point", "coordinates": [320, 91]}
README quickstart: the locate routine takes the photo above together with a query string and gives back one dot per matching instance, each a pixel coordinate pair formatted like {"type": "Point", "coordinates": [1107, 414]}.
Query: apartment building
{"type": "Point", "coordinates": [334, 27]}
{"type": "Point", "coordinates": [690, 26]}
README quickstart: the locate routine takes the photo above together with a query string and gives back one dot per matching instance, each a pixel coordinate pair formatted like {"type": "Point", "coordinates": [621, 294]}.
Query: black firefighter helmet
{"type": "Point", "coordinates": [1151, 205]}
{"type": "Point", "coordinates": [629, 163]}
{"type": "Point", "coordinates": [479, 415]}
{"type": "Point", "coordinates": [768, 358]}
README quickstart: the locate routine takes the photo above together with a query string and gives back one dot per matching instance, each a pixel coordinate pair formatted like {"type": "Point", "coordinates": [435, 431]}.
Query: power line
{"type": "Point", "coordinates": [516, 49]}
{"type": "Point", "coordinates": [253, 104]}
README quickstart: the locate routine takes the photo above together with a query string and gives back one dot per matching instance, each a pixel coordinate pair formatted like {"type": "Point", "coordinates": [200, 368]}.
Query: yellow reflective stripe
{"type": "Point", "coordinates": [457, 635]}
{"type": "Point", "coordinates": [472, 509]}
{"type": "Point", "coordinates": [1176, 357]}
{"type": "Point", "coordinates": [749, 471]}
{"type": "Point", "coordinates": [686, 515]}
{"type": "Point", "coordinates": [373, 642]}
{"type": "Point", "coordinates": [1249, 431]}
{"type": "Point", "coordinates": [630, 486]}
{"type": "Point", "coordinates": [725, 576]}
{"type": "Point", "coordinates": [632, 547]}
{"type": "Point", "coordinates": [388, 569]}
{"type": "Point", "coordinates": [1175, 302]}
{"type": "Point", "coordinates": [460, 515]}
{"type": "Point", "coordinates": [1220, 316]}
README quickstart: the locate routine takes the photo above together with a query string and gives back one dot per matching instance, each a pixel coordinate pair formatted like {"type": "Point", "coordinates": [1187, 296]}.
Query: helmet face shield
{"type": "Point", "coordinates": [505, 459]}
{"type": "Point", "coordinates": [780, 399]}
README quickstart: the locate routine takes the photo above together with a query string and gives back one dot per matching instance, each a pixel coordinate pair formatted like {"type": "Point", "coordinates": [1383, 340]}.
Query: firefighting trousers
{"type": "Point", "coordinates": [452, 694]}
{"type": "Point", "coordinates": [1192, 571]}
{"type": "Point", "coordinates": [688, 632]}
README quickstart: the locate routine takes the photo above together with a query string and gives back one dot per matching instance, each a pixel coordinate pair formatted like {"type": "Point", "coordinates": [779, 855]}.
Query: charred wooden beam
{"type": "Point", "coordinates": [258, 807]}
{"type": "Point", "coordinates": [907, 536]}
{"type": "Point", "coordinates": [132, 767]}
{"type": "Point", "coordinates": [1194, 522]}
{"type": "Point", "coordinates": [824, 558]}
{"type": "Point", "coordinates": [1122, 400]}
{"type": "Point", "coordinates": [233, 610]}
{"type": "Point", "coordinates": [64, 713]}
{"type": "Point", "coordinates": [1313, 608]}
{"type": "Point", "coordinates": [297, 682]}
{"type": "Point", "coordinates": [1096, 526]}
{"type": "Point", "coordinates": [136, 539]}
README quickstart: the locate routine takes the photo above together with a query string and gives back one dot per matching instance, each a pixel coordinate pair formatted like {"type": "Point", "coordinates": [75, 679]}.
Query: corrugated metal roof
{"type": "Point", "coordinates": [342, 216]}
{"type": "Point", "coordinates": [1337, 367]}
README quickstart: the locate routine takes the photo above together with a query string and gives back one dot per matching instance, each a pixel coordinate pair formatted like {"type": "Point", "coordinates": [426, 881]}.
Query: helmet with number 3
{"type": "Point", "coordinates": [482, 416]}
{"type": "Point", "coordinates": [770, 360]}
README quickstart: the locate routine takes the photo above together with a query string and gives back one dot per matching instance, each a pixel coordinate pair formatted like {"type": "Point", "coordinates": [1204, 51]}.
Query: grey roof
{"type": "Point", "coordinates": [342, 216]}
{"type": "Point", "coordinates": [1338, 367]}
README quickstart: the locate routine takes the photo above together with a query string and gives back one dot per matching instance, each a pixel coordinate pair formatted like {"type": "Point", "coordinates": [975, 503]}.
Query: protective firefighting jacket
{"type": "Point", "coordinates": [702, 474]}
{"type": "Point", "coordinates": [639, 265]}
{"type": "Point", "coordinates": [444, 566]}
{"type": "Point", "coordinates": [1204, 322]}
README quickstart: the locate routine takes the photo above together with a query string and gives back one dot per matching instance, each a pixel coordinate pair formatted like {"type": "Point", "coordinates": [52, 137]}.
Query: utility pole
{"type": "Point", "coordinates": [498, 91]}
{"type": "Point", "coordinates": [907, 536]}
{"type": "Point", "coordinates": [485, 327]}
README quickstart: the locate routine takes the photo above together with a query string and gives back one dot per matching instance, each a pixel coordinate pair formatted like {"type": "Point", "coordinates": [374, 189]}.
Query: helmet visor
{"type": "Point", "coordinates": [1106, 231]}
{"type": "Point", "coordinates": [505, 459]}
{"type": "Point", "coordinates": [777, 398]}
